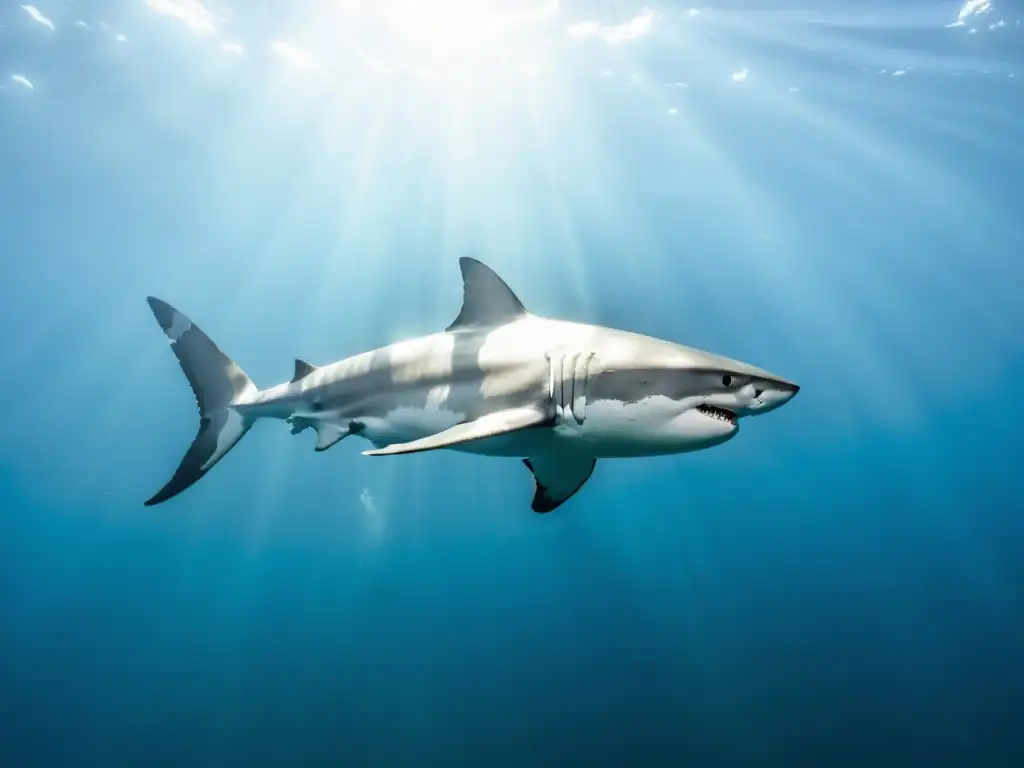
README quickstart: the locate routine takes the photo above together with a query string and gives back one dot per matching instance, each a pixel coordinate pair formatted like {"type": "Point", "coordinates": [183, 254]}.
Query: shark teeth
{"type": "Point", "coordinates": [717, 413]}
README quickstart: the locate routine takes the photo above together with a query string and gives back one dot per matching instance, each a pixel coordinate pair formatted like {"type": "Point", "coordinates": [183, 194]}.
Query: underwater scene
{"type": "Point", "coordinates": [512, 383]}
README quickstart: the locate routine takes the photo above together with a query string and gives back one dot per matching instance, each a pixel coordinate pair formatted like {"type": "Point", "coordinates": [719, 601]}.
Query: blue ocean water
{"type": "Point", "coordinates": [830, 190]}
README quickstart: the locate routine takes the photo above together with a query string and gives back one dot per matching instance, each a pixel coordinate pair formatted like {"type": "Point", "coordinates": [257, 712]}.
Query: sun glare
{"type": "Point", "coordinates": [453, 36]}
{"type": "Point", "coordinates": [451, 30]}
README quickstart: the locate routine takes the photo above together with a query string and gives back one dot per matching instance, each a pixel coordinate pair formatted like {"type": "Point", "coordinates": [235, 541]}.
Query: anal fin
{"type": "Point", "coordinates": [491, 425]}
{"type": "Point", "coordinates": [558, 477]}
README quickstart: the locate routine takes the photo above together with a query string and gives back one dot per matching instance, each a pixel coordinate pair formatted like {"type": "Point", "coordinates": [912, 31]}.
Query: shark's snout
{"type": "Point", "coordinates": [769, 396]}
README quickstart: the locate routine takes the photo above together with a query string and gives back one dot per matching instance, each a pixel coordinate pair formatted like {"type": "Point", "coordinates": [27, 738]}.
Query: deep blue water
{"type": "Point", "coordinates": [843, 584]}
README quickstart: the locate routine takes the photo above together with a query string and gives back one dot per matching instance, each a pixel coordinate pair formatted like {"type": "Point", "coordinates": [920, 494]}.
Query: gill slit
{"type": "Point", "coordinates": [568, 376]}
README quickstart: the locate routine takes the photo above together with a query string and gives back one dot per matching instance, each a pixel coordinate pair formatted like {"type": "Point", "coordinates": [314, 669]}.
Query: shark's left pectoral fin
{"type": "Point", "coordinates": [558, 478]}
{"type": "Point", "coordinates": [491, 425]}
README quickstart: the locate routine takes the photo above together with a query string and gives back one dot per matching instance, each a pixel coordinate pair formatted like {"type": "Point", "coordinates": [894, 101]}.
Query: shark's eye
{"type": "Point", "coordinates": [726, 380]}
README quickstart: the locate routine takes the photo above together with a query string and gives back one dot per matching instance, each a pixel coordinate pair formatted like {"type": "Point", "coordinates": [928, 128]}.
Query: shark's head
{"type": "Point", "coordinates": [722, 396]}
{"type": "Point", "coordinates": [644, 396]}
{"type": "Point", "coordinates": [740, 394]}
{"type": "Point", "coordinates": [678, 400]}
{"type": "Point", "coordinates": [730, 390]}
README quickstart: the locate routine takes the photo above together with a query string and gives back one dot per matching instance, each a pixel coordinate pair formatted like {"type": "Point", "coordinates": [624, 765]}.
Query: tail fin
{"type": "Point", "coordinates": [218, 384]}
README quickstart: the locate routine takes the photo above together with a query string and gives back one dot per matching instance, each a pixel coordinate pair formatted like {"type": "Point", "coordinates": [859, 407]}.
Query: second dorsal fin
{"type": "Point", "coordinates": [486, 298]}
{"type": "Point", "coordinates": [302, 369]}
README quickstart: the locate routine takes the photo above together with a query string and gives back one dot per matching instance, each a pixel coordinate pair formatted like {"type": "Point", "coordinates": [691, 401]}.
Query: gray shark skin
{"type": "Point", "coordinates": [498, 381]}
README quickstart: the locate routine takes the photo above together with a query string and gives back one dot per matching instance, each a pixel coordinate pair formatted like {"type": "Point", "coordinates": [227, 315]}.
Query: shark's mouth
{"type": "Point", "coordinates": [722, 414]}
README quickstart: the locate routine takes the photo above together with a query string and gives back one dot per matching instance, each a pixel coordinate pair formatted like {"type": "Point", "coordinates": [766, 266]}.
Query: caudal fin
{"type": "Point", "coordinates": [218, 384]}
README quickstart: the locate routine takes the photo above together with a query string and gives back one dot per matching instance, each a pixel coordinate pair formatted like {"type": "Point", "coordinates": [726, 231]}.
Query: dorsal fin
{"type": "Point", "coordinates": [302, 369]}
{"type": "Point", "coordinates": [486, 298]}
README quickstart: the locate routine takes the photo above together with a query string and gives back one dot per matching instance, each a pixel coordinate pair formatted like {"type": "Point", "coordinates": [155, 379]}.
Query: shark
{"type": "Point", "coordinates": [498, 381]}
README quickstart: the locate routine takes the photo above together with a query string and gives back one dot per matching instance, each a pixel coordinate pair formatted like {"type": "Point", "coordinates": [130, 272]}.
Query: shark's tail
{"type": "Point", "coordinates": [218, 384]}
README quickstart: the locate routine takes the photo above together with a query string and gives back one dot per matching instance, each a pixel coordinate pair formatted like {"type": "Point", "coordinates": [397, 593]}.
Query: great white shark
{"type": "Point", "coordinates": [499, 381]}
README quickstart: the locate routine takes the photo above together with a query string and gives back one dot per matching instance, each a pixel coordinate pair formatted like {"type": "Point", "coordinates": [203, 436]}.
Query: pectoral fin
{"type": "Point", "coordinates": [558, 477]}
{"type": "Point", "coordinates": [491, 425]}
